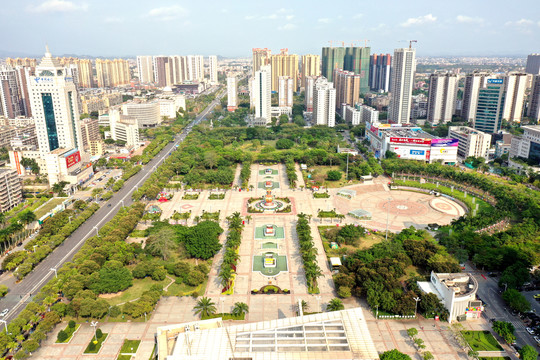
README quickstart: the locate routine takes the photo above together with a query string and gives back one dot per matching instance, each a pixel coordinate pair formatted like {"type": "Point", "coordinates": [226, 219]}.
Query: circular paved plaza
{"type": "Point", "coordinates": [403, 208]}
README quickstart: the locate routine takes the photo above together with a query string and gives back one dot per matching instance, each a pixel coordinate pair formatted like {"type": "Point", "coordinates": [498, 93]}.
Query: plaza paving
{"type": "Point", "coordinates": [387, 334]}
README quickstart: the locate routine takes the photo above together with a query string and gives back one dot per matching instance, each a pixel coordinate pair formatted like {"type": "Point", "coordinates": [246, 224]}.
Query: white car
{"type": "Point", "coordinates": [537, 339]}
{"type": "Point", "coordinates": [4, 312]}
{"type": "Point", "coordinates": [530, 331]}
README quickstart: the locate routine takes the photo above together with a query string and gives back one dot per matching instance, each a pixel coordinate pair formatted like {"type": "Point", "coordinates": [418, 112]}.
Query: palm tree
{"type": "Point", "coordinates": [27, 217]}
{"type": "Point", "coordinates": [205, 307]}
{"type": "Point", "coordinates": [240, 309]}
{"type": "Point", "coordinates": [335, 305]}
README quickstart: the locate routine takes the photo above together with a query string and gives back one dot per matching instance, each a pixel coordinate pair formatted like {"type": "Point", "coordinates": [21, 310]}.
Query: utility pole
{"type": "Point", "coordinates": [347, 176]}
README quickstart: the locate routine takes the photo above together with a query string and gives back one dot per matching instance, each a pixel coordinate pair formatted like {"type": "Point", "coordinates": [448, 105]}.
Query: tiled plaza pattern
{"type": "Point", "coordinates": [387, 334]}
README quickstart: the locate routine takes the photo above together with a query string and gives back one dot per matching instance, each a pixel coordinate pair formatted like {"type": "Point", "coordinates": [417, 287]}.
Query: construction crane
{"type": "Point", "coordinates": [412, 41]}
{"type": "Point", "coordinates": [358, 41]}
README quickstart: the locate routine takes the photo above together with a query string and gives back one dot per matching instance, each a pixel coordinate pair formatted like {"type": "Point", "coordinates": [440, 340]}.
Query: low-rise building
{"type": "Point", "coordinates": [124, 128]}
{"type": "Point", "coordinates": [147, 114]}
{"type": "Point", "coordinates": [472, 142]}
{"type": "Point", "coordinates": [410, 143]}
{"type": "Point", "coordinates": [527, 146]}
{"type": "Point", "coordinates": [10, 189]}
{"type": "Point", "coordinates": [457, 291]}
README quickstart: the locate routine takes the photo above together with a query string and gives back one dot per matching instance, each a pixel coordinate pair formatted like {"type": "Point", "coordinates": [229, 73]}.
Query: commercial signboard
{"type": "Point", "coordinates": [447, 154]}
{"type": "Point", "coordinates": [495, 81]}
{"type": "Point", "coordinates": [73, 159]}
{"type": "Point", "coordinates": [409, 152]}
{"type": "Point", "coordinates": [415, 141]}
{"type": "Point", "coordinates": [444, 142]}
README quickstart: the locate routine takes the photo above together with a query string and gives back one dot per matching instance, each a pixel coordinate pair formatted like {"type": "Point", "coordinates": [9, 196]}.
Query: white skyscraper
{"type": "Point", "coordinates": [403, 67]}
{"type": "Point", "coordinates": [473, 83]}
{"type": "Point", "coordinates": [442, 98]}
{"type": "Point", "coordinates": [285, 91]}
{"type": "Point", "coordinates": [212, 60]}
{"type": "Point", "coordinates": [514, 99]}
{"type": "Point", "coordinates": [232, 102]}
{"type": "Point", "coordinates": [11, 104]}
{"type": "Point", "coordinates": [145, 68]}
{"type": "Point", "coordinates": [324, 103]}
{"type": "Point", "coordinates": [261, 92]}
{"type": "Point", "coordinates": [195, 67]}
{"type": "Point", "coordinates": [55, 107]}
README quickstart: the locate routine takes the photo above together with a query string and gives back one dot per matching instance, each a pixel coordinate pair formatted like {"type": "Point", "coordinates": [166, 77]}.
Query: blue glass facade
{"type": "Point", "coordinates": [50, 121]}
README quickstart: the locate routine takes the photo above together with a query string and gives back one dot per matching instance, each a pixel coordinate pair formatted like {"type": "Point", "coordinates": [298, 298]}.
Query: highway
{"type": "Point", "coordinates": [21, 293]}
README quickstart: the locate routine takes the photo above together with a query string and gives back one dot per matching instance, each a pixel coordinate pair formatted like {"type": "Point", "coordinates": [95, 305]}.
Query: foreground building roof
{"type": "Point", "coordinates": [331, 335]}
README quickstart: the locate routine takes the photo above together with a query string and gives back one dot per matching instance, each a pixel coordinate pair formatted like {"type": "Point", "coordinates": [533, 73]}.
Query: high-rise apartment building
{"type": "Point", "coordinates": [442, 97]}
{"type": "Point", "coordinates": [534, 102]}
{"type": "Point", "coordinates": [232, 97]}
{"type": "Point", "coordinates": [10, 189]}
{"type": "Point", "coordinates": [21, 62]}
{"type": "Point", "coordinates": [85, 73]}
{"type": "Point", "coordinates": [489, 110]}
{"type": "Point", "coordinates": [89, 132]}
{"type": "Point", "coordinates": [403, 68]}
{"type": "Point", "coordinates": [472, 142]}
{"type": "Point", "coordinates": [357, 60]}
{"type": "Point", "coordinates": [261, 57]}
{"type": "Point", "coordinates": [112, 73]}
{"type": "Point", "coordinates": [213, 68]}
{"type": "Point", "coordinates": [145, 68]}
{"type": "Point", "coordinates": [23, 74]}
{"type": "Point", "coordinates": [473, 83]}
{"type": "Point", "coordinates": [332, 58]}
{"type": "Point", "coordinates": [514, 100]}
{"type": "Point", "coordinates": [11, 103]}
{"type": "Point", "coordinates": [308, 94]}
{"type": "Point", "coordinates": [163, 71]}
{"type": "Point", "coordinates": [311, 66]}
{"type": "Point", "coordinates": [180, 69]}
{"type": "Point", "coordinates": [285, 92]}
{"type": "Point", "coordinates": [261, 93]}
{"type": "Point", "coordinates": [284, 64]}
{"type": "Point", "coordinates": [324, 103]}
{"type": "Point", "coordinates": [347, 85]}
{"type": "Point", "coordinates": [195, 67]}
{"type": "Point", "coordinates": [380, 72]}
{"type": "Point", "coordinates": [533, 64]}
{"type": "Point", "coordinates": [55, 107]}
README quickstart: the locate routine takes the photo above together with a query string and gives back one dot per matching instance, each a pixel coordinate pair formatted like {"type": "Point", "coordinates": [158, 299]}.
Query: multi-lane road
{"type": "Point", "coordinates": [22, 292]}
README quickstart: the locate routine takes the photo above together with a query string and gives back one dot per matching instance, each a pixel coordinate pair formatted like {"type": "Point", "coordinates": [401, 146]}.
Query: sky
{"type": "Point", "coordinates": [232, 28]}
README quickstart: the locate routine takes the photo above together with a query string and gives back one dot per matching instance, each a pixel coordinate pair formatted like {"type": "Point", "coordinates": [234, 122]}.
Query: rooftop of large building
{"type": "Point", "coordinates": [409, 133]}
{"type": "Point", "coordinates": [466, 130]}
{"type": "Point", "coordinates": [331, 335]}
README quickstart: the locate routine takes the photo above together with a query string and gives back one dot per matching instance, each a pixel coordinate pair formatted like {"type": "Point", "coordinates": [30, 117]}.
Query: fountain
{"type": "Point", "coordinates": [268, 203]}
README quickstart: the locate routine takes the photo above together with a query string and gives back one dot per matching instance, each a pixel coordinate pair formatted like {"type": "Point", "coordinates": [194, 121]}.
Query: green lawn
{"type": "Point", "coordinates": [70, 332]}
{"type": "Point", "coordinates": [98, 345]}
{"type": "Point", "coordinates": [281, 265]}
{"type": "Point", "coordinates": [274, 172]}
{"type": "Point", "coordinates": [495, 358]}
{"type": "Point", "coordinates": [123, 357]}
{"type": "Point", "coordinates": [51, 204]}
{"type": "Point", "coordinates": [185, 290]}
{"type": "Point", "coordinates": [262, 185]}
{"type": "Point", "coordinates": [130, 346]}
{"type": "Point", "coordinates": [135, 291]}
{"type": "Point", "coordinates": [481, 341]}
{"type": "Point", "coordinates": [279, 231]}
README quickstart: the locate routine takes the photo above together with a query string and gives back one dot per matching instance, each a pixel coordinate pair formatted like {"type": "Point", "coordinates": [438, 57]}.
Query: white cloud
{"type": "Point", "coordinates": [271, 17]}
{"type": "Point", "coordinates": [357, 16]}
{"type": "Point", "coordinates": [113, 20]}
{"type": "Point", "coordinates": [469, 19]}
{"type": "Point", "coordinates": [520, 23]}
{"type": "Point", "coordinates": [167, 13]}
{"type": "Point", "coordinates": [287, 27]}
{"type": "Point", "coordinates": [224, 11]}
{"type": "Point", "coordinates": [324, 20]}
{"type": "Point", "coordinates": [51, 6]}
{"type": "Point", "coordinates": [289, 17]}
{"type": "Point", "coordinates": [429, 18]}
{"type": "Point", "coordinates": [249, 17]}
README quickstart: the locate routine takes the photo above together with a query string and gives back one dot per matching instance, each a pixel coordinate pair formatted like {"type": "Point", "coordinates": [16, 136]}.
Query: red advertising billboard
{"type": "Point", "coordinates": [73, 159]}
{"type": "Point", "coordinates": [416, 141]}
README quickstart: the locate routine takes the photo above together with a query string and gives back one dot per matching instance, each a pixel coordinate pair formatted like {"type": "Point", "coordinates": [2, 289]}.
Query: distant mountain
{"type": "Point", "coordinates": [7, 53]}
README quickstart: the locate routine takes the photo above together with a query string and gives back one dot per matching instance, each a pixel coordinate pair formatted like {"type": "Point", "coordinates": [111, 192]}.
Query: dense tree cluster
{"type": "Point", "coordinates": [309, 253]}
{"type": "Point", "coordinates": [231, 257]}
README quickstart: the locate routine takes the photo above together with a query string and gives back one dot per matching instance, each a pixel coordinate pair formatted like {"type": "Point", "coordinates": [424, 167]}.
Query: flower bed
{"type": "Point", "coordinates": [270, 290]}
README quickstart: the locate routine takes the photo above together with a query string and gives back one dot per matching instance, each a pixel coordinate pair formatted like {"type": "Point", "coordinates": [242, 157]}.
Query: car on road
{"type": "Point", "coordinates": [536, 296]}
{"type": "Point", "coordinates": [4, 312]}
{"type": "Point", "coordinates": [530, 331]}
{"type": "Point", "coordinates": [536, 338]}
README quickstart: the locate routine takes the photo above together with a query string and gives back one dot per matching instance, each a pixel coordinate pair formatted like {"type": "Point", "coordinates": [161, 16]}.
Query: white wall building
{"type": "Point", "coordinates": [261, 93]}
{"type": "Point", "coordinates": [285, 91]}
{"type": "Point", "coordinates": [352, 115]}
{"type": "Point", "coordinates": [442, 97]}
{"type": "Point", "coordinates": [11, 104]}
{"type": "Point", "coordinates": [213, 63]}
{"type": "Point", "coordinates": [324, 103]}
{"type": "Point", "coordinates": [232, 97]}
{"type": "Point", "coordinates": [145, 67]}
{"type": "Point", "coordinates": [195, 67]}
{"type": "Point", "coordinates": [514, 100]}
{"type": "Point", "coordinates": [473, 83]}
{"type": "Point", "coordinates": [146, 113]}
{"type": "Point", "coordinates": [124, 128]}
{"type": "Point", "coordinates": [472, 142]}
{"type": "Point", "coordinates": [368, 114]}
{"type": "Point", "coordinates": [534, 100]}
{"type": "Point", "coordinates": [527, 146]}
{"type": "Point", "coordinates": [457, 292]}
{"type": "Point", "coordinates": [403, 68]}
{"type": "Point", "coordinates": [308, 94]}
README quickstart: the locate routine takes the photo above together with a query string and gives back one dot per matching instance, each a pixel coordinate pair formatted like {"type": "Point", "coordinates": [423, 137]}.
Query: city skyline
{"type": "Point", "coordinates": [231, 30]}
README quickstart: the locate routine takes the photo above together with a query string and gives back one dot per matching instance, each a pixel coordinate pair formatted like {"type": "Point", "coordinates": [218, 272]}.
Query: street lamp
{"type": "Point", "coordinates": [70, 219]}
{"type": "Point", "coordinates": [97, 232]}
{"type": "Point", "coordinates": [94, 325]}
{"type": "Point", "coordinates": [416, 299]}
{"type": "Point", "coordinates": [387, 216]}
{"type": "Point", "coordinates": [5, 324]}
{"type": "Point", "coordinates": [55, 272]}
